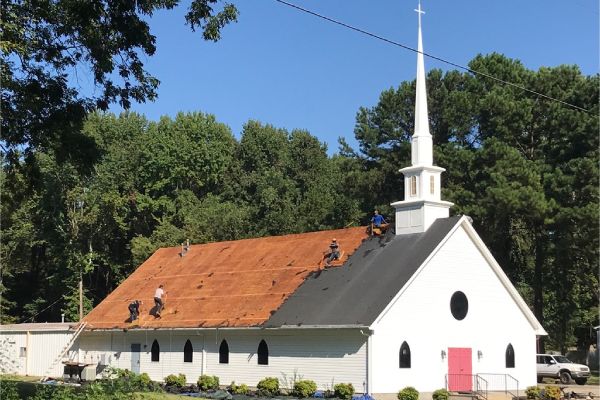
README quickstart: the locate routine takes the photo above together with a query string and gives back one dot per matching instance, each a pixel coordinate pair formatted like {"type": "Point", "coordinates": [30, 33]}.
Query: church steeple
{"type": "Point", "coordinates": [422, 203]}
{"type": "Point", "coordinates": [421, 146]}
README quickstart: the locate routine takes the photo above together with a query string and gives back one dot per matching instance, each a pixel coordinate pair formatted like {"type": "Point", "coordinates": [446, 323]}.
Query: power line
{"type": "Point", "coordinates": [33, 317]}
{"type": "Point", "coordinates": [373, 35]}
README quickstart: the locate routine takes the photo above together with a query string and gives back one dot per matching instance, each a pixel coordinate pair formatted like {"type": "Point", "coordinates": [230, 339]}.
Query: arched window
{"type": "Point", "coordinates": [155, 351]}
{"type": "Point", "coordinates": [263, 353]}
{"type": "Point", "coordinates": [510, 356]}
{"type": "Point", "coordinates": [224, 352]}
{"type": "Point", "coordinates": [404, 355]}
{"type": "Point", "coordinates": [188, 352]}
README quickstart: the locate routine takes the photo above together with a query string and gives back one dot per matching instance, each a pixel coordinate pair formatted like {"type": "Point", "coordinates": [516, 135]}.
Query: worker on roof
{"type": "Point", "coordinates": [334, 253]}
{"type": "Point", "coordinates": [134, 310]}
{"type": "Point", "coordinates": [378, 223]}
{"type": "Point", "coordinates": [158, 300]}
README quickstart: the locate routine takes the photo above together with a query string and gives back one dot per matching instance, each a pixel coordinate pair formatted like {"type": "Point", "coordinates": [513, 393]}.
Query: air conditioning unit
{"type": "Point", "coordinates": [88, 373]}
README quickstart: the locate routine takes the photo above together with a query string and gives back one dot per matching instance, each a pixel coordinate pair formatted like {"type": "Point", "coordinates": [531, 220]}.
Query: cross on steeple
{"type": "Point", "coordinates": [419, 11]}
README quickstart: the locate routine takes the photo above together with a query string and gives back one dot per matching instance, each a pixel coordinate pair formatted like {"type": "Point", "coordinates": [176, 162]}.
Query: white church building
{"type": "Point", "coordinates": [425, 305]}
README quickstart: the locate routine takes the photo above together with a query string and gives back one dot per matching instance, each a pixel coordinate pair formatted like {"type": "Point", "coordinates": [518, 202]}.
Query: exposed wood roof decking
{"type": "Point", "coordinates": [226, 284]}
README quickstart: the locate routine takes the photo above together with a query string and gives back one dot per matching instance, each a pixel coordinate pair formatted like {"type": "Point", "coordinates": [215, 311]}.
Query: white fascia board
{"type": "Point", "coordinates": [297, 327]}
{"type": "Point", "coordinates": [433, 168]}
{"type": "Point", "coordinates": [239, 328]}
{"type": "Point", "coordinates": [497, 269]}
{"type": "Point", "coordinates": [166, 329]}
{"type": "Point", "coordinates": [419, 202]}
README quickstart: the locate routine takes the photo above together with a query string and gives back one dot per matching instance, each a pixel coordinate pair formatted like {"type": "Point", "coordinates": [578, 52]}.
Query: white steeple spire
{"type": "Point", "coordinates": [422, 146]}
{"type": "Point", "coordinates": [422, 203]}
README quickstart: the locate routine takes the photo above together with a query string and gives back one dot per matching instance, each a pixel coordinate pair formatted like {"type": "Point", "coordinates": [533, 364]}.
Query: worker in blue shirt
{"type": "Point", "coordinates": [378, 224]}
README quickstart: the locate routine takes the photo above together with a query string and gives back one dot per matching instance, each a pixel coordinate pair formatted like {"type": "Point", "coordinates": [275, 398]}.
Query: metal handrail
{"type": "Point", "coordinates": [482, 384]}
{"type": "Point", "coordinates": [481, 387]}
{"type": "Point", "coordinates": [503, 382]}
{"type": "Point", "coordinates": [478, 384]}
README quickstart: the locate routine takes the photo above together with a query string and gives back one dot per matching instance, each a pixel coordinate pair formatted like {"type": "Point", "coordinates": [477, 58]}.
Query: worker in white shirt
{"type": "Point", "coordinates": [158, 299]}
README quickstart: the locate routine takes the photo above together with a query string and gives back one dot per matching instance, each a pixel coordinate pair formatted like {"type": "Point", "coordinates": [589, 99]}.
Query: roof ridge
{"type": "Point", "coordinates": [267, 237]}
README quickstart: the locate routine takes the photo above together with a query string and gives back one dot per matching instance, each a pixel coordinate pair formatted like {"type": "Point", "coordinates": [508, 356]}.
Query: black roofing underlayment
{"type": "Point", "coordinates": [358, 292]}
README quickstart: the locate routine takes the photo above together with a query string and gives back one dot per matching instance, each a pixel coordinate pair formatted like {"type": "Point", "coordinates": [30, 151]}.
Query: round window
{"type": "Point", "coordinates": [459, 305]}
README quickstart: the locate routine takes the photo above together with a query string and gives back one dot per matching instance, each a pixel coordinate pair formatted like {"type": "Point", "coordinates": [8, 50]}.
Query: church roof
{"type": "Point", "coordinates": [226, 284]}
{"type": "Point", "coordinates": [357, 293]}
{"type": "Point", "coordinates": [279, 281]}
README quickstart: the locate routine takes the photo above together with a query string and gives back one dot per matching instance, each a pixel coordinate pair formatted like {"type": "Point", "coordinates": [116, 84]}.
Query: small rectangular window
{"type": "Point", "coordinates": [413, 185]}
{"type": "Point", "coordinates": [23, 352]}
{"type": "Point", "coordinates": [432, 184]}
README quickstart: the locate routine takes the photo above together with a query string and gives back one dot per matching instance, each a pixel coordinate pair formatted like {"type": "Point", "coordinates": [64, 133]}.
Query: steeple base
{"type": "Point", "coordinates": [416, 216]}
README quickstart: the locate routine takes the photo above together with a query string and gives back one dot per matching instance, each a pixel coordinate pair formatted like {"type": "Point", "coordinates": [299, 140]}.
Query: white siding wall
{"type": "Point", "coordinates": [422, 318]}
{"type": "Point", "coordinates": [43, 347]}
{"type": "Point", "coordinates": [324, 356]}
{"type": "Point", "coordinates": [114, 348]}
{"type": "Point", "coordinates": [321, 355]}
{"type": "Point", "coordinates": [10, 360]}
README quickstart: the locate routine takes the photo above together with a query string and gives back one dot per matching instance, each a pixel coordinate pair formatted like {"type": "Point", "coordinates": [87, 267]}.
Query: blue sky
{"type": "Point", "coordinates": [292, 70]}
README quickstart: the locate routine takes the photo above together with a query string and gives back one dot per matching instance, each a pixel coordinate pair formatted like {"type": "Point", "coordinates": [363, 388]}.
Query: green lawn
{"type": "Point", "coordinates": [20, 378]}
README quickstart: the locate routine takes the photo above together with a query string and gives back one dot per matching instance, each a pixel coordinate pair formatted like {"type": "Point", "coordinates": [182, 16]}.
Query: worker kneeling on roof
{"type": "Point", "coordinates": [134, 310]}
{"type": "Point", "coordinates": [334, 253]}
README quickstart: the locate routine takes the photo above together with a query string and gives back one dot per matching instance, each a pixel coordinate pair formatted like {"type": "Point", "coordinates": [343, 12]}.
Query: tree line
{"type": "Point", "coordinates": [108, 192]}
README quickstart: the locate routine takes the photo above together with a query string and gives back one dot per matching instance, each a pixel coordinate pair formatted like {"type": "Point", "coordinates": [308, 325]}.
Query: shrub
{"type": "Point", "coordinates": [97, 391]}
{"type": "Point", "coordinates": [305, 388]}
{"type": "Point", "coordinates": [128, 381]}
{"type": "Point", "coordinates": [207, 382]}
{"type": "Point", "coordinates": [239, 389]}
{"type": "Point", "coordinates": [408, 393]}
{"type": "Point", "coordinates": [440, 394]}
{"type": "Point", "coordinates": [551, 393]}
{"type": "Point", "coordinates": [532, 392]}
{"type": "Point", "coordinates": [144, 380]}
{"type": "Point", "coordinates": [176, 380]}
{"type": "Point", "coordinates": [8, 390]}
{"type": "Point", "coordinates": [60, 392]}
{"type": "Point", "coordinates": [343, 391]}
{"type": "Point", "coordinates": [268, 387]}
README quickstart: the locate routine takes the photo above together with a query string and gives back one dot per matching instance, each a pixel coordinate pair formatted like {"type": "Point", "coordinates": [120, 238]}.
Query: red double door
{"type": "Point", "coordinates": [460, 369]}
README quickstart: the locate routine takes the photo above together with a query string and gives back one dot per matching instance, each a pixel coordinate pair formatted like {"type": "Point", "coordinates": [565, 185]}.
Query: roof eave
{"type": "Point", "coordinates": [352, 326]}
{"type": "Point", "coordinates": [238, 328]}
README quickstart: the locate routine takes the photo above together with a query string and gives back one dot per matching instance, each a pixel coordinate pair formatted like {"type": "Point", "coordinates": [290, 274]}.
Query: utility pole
{"type": "Point", "coordinates": [80, 296]}
{"type": "Point", "coordinates": [78, 204]}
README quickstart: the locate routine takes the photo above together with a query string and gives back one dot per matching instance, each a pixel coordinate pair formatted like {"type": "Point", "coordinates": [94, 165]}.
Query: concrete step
{"type": "Point", "coordinates": [462, 396]}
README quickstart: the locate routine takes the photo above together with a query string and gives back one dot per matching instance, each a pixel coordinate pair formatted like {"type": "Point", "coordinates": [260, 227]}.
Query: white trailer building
{"type": "Point", "coordinates": [31, 349]}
